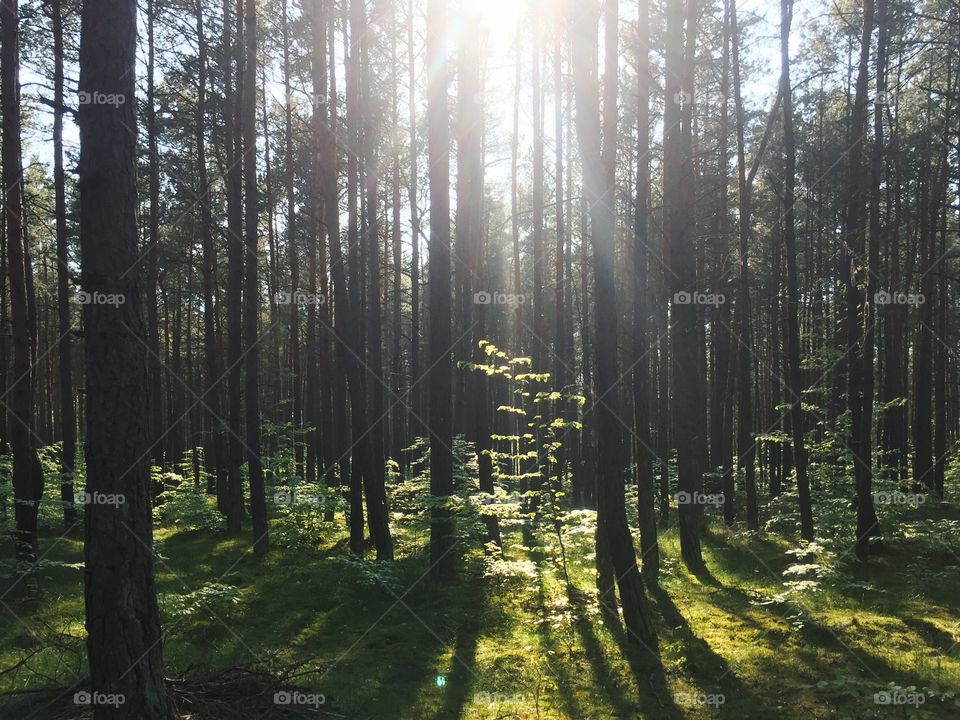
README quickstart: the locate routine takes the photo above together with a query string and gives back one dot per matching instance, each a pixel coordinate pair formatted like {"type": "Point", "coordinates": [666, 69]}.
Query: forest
{"type": "Point", "coordinates": [482, 359]}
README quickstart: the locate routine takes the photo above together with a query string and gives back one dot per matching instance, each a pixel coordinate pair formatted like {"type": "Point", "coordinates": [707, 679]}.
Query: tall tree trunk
{"type": "Point", "coordinates": [413, 192]}
{"type": "Point", "coordinates": [855, 276]}
{"type": "Point", "coordinates": [251, 290]}
{"type": "Point", "coordinates": [122, 620]}
{"type": "Point", "coordinates": [469, 224]}
{"type": "Point", "coordinates": [234, 508]}
{"type": "Point", "coordinates": [721, 401]}
{"type": "Point", "coordinates": [353, 29]}
{"type": "Point", "coordinates": [293, 254]}
{"type": "Point", "coordinates": [153, 246]}
{"type": "Point", "coordinates": [27, 478]}
{"type": "Point", "coordinates": [646, 512]}
{"type": "Point", "coordinates": [539, 328]}
{"type": "Point", "coordinates": [680, 257]}
{"type": "Point", "coordinates": [746, 446]}
{"type": "Point", "coordinates": [793, 291]}
{"type": "Point", "coordinates": [442, 533]}
{"type": "Point", "coordinates": [398, 414]}
{"type": "Point", "coordinates": [319, 366]}
{"type": "Point", "coordinates": [515, 205]}
{"type": "Point", "coordinates": [374, 480]}
{"type": "Point", "coordinates": [68, 420]}
{"type": "Point", "coordinates": [214, 447]}
{"type": "Point", "coordinates": [616, 557]}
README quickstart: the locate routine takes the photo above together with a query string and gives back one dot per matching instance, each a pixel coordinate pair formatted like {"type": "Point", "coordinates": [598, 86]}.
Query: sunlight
{"type": "Point", "coordinates": [497, 17]}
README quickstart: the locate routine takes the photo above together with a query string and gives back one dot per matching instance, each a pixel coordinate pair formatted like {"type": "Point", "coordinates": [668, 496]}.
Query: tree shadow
{"type": "Point", "coordinates": [643, 658]}
{"type": "Point", "coordinates": [459, 680]}
{"type": "Point", "coordinates": [712, 672]}
{"type": "Point", "coordinates": [559, 669]}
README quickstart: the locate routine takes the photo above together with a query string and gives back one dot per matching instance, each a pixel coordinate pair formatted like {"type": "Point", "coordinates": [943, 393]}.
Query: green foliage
{"type": "Point", "coordinates": [184, 505]}
{"type": "Point", "coordinates": [526, 461]}
{"type": "Point", "coordinates": [214, 597]}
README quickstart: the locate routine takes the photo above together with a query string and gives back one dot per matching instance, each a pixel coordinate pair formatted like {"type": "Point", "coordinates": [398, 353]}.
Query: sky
{"type": "Point", "coordinates": [497, 20]}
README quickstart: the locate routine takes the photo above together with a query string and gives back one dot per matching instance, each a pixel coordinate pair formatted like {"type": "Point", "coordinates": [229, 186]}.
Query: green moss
{"type": "Point", "coordinates": [385, 642]}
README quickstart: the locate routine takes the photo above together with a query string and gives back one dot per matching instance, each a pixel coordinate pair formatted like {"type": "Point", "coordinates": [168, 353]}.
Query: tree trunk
{"type": "Point", "coordinates": [214, 366]}
{"type": "Point", "coordinates": [252, 295]}
{"type": "Point", "coordinates": [855, 274]}
{"type": "Point", "coordinates": [793, 292]}
{"type": "Point", "coordinates": [646, 512]}
{"type": "Point", "coordinates": [153, 248]}
{"type": "Point", "coordinates": [746, 446]}
{"type": "Point", "coordinates": [122, 620]}
{"type": "Point", "coordinates": [374, 480]}
{"type": "Point", "coordinates": [415, 384]}
{"type": "Point", "coordinates": [293, 255]}
{"type": "Point", "coordinates": [68, 420]}
{"type": "Point", "coordinates": [442, 532]}
{"type": "Point", "coordinates": [27, 479]}
{"type": "Point", "coordinates": [234, 508]}
{"type": "Point", "coordinates": [616, 558]}
{"type": "Point", "coordinates": [679, 254]}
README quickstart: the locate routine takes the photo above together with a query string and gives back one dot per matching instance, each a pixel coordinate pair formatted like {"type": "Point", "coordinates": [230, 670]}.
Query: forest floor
{"type": "Point", "coordinates": [763, 633]}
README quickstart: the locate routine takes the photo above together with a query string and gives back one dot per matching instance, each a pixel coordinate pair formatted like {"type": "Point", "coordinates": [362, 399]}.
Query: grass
{"type": "Point", "coordinates": [507, 638]}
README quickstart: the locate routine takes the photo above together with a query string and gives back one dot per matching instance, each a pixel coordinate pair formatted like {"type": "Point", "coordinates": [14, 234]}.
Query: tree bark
{"type": "Point", "coordinates": [27, 478]}
{"type": "Point", "coordinates": [68, 418]}
{"type": "Point", "coordinates": [793, 292]}
{"type": "Point", "coordinates": [855, 276]}
{"type": "Point", "coordinates": [646, 512]}
{"type": "Point", "coordinates": [689, 404]}
{"type": "Point", "coordinates": [616, 557]}
{"type": "Point", "coordinates": [442, 532]}
{"type": "Point", "coordinates": [252, 296]}
{"type": "Point", "coordinates": [122, 620]}
{"type": "Point", "coordinates": [746, 447]}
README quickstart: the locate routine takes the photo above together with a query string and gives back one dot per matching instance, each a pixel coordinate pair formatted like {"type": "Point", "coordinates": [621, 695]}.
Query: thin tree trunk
{"type": "Point", "coordinates": [68, 421]}
{"type": "Point", "coordinates": [153, 245]}
{"type": "Point", "coordinates": [251, 300]}
{"type": "Point", "coordinates": [293, 254]}
{"type": "Point", "coordinates": [679, 234]}
{"type": "Point", "coordinates": [27, 478]}
{"type": "Point", "coordinates": [646, 512]}
{"type": "Point", "coordinates": [746, 447]}
{"type": "Point", "coordinates": [854, 277]}
{"type": "Point", "coordinates": [234, 508]}
{"type": "Point", "coordinates": [417, 392]}
{"type": "Point", "coordinates": [442, 533]}
{"type": "Point", "coordinates": [374, 480]}
{"type": "Point", "coordinates": [793, 291]}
